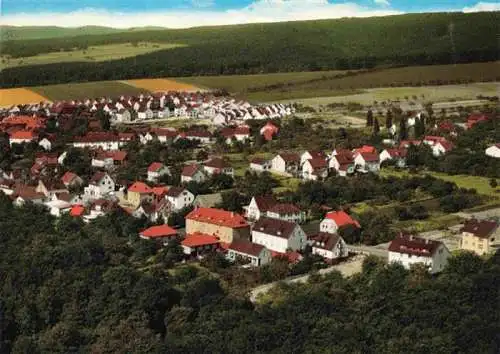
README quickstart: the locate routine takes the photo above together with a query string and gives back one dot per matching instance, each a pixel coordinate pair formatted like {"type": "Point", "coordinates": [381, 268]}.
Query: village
{"type": "Point", "coordinates": [45, 140]}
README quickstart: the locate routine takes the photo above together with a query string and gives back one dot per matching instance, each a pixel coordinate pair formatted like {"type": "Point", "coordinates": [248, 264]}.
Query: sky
{"type": "Point", "coordinates": [189, 13]}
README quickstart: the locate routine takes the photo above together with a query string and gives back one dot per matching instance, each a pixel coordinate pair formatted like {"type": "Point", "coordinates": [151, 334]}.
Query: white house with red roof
{"type": "Point", "coordinates": [198, 244]}
{"type": "Point", "coordinates": [100, 185]}
{"type": "Point", "coordinates": [259, 206]}
{"type": "Point", "coordinates": [311, 154]}
{"type": "Point", "coordinates": [157, 170]}
{"type": "Point", "coordinates": [398, 155]}
{"type": "Point", "coordinates": [328, 245]}
{"type": "Point", "coordinates": [95, 140]}
{"type": "Point", "coordinates": [367, 162]}
{"type": "Point", "coordinates": [260, 165]}
{"type": "Point", "coordinates": [193, 172]}
{"type": "Point", "coordinates": [442, 148]}
{"type": "Point", "coordinates": [315, 169]}
{"type": "Point", "coordinates": [247, 252]}
{"type": "Point", "coordinates": [159, 233]}
{"type": "Point", "coordinates": [342, 162]}
{"type": "Point", "coordinates": [409, 250]}
{"type": "Point", "coordinates": [335, 220]}
{"type": "Point", "coordinates": [493, 151]}
{"type": "Point", "coordinates": [22, 136]}
{"type": "Point", "coordinates": [217, 166]}
{"type": "Point", "coordinates": [287, 212]}
{"type": "Point", "coordinates": [286, 163]}
{"type": "Point", "coordinates": [433, 140]}
{"type": "Point", "coordinates": [179, 198]}
{"type": "Point", "coordinates": [278, 235]}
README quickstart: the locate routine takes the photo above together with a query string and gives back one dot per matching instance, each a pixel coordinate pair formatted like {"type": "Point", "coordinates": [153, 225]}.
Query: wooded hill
{"type": "Point", "coordinates": [354, 43]}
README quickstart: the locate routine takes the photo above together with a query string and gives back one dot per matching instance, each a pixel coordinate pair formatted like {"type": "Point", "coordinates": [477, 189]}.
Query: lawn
{"type": "Point", "coordinates": [91, 54]}
{"type": "Point", "coordinates": [86, 90]}
{"type": "Point", "coordinates": [241, 163]}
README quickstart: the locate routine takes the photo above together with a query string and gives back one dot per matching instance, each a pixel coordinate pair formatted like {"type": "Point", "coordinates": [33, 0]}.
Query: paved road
{"type": "Point", "coordinates": [348, 268]}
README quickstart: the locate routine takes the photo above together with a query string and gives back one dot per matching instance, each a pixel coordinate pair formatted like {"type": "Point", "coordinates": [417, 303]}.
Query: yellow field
{"type": "Point", "coordinates": [9, 97]}
{"type": "Point", "coordinates": [156, 85]}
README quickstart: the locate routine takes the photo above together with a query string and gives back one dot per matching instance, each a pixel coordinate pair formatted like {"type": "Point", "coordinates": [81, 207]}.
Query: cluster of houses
{"type": "Point", "coordinates": [477, 236]}
{"type": "Point", "coordinates": [220, 110]}
{"type": "Point", "coordinates": [317, 165]}
{"type": "Point", "coordinates": [269, 229]}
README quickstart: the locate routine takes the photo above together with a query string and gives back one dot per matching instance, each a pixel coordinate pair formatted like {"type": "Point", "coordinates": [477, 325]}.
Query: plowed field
{"type": "Point", "coordinates": [9, 97]}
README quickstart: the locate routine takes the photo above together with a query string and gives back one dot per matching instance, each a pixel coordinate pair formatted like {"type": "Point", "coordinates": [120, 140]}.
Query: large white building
{"type": "Point", "coordinates": [179, 198]}
{"type": "Point", "coordinates": [408, 250]}
{"type": "Point", "coordinates": [278, 235]}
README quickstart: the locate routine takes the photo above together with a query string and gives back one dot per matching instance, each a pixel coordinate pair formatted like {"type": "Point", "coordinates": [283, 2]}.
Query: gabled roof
{"type": "Point", "coordinates": [317, 163]}
{"type": "Point", "coordinates": [325, 240]}
{"type": "Point", "coordinates": [289, 156]}
{"type": "Point", "coordinates": [401, 152]}
{"type": "Point", "coordinates": [246, 247]}
{"type": "Point", "coordinates": [159, 231]}
{"type": "Point", "coordinates": [274, 227]}
{"type": "Point", "coordinates": [482, 229]}
{"type": "Point", "coordinates": [155, 167]}
{"type": "Point", "coordinates": [199, 239]}
{"type": "Point", "coordinates": [446, 145]}
{"type": "Point", "coordinates": [140, 187]}
{"type": "Point", "coordinates": [341, 218]}
{"type": "Point", "coordinates": [409, 244]}
{"type": "Point", "coordinates": [217, 162]}
{"type": "Point", "coordinates": [77, 210]}
{"type": "Point", "coordinates": [284, 208]}
{"type": "Point", "coordinates": [23, 134]}
{"type": "Point", "coordinates": [265, 202]}
{"type": "Point", "coordinates": [365, 149]}
{"type": "Point", "coordinates": [174, 192]}
{"type": "Point", "coordinates": [369, 157]}
{"type": "Point", "coordinates": [190, 170]}
{"type": "Point", "coordinates": [217, 217]}
{"type": "Point", "coordinates": [97, 177]}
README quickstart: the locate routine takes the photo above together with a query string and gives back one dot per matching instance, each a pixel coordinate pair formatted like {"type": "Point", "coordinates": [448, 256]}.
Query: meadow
{"type": "Point", "coordinates": [9, 97]}
{"type": "Point", "coordinates": [90, 54]}
{"type": "Point", "coordinates": [161, 85]}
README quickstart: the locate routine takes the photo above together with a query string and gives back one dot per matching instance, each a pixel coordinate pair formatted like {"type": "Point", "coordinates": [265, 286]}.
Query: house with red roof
{"type": "Point", "coordinates": [23, 194]}
{"type": "Point", "coordinates": [335, 220]}
{"type": "Point", "coordinates": [405, 144]}
{"type": "Point", "coordinates": [312, 154]}
{"type": "Point", "coordinates": [329, 246]}
{"type": "Point", "coordinates": [342, 162]}
{"type": "Point", "coordinates": [398, 155]}
{"type": "Point", "coordinates": [203, 136]}
{"type": "Point", "coordinates": [193, 172]}
{"type": "Point", "coordinates": [217, 166]}
{"type": "Point", "coordinates": [157, 170]}
{"type": "Point", "coordinates": [478, 236]}
{"type": "Point", "coordinates": [315, 169]}
{"type": "Point", "coordinates": [269, 131]}
{"type": "Point", "coordinates": [442, 148]}
{"type": "Point", "coordinates": [70, 179]}
{"type": "Point", "coordinates": [365, 149]}
{"type": "Point", "coordinates": [287, 212]}
{"type": "Point", "coordinates": [49, 187]}
{"type": "Point", "coordinates": [239, 133]}
{"type": "Point", "coordinates": [138, 193]}
{"type": "Point", "coordinates": [22, 136]}
{"type": "Point", "coordinates": [246, 252]}
{"type": "Point", "coordinates": [198, 244]}
{"type": "Point", "coordinates": [474, 119]}
{"type": "Point", "coordinates": [409, 250]}
{"type": "Point", "coordinates": [259, 206]}
{"type": "Point", "coordinates": [77, 211]}
{"type": "Point", "coordinates": [100, 185]}
{"type": "Point", "coordinates": [96, 140]}
{"type": "Point", "coordinates": [179, 198]}
{"type": "Point", "coordinates": [278, 235]}
{"type": "Point", "coordinates": [160, 233]}
{"type": "Point", "coordinates": [367, 162]}
{"type": "Point", "coordinates": [286, 163]}
{"type": "Point", "coordinates": [225, 225]}
{"type": "Point", "coordinates": [432, 140]}
{"type": "Point", "coordinates": [260, 165]}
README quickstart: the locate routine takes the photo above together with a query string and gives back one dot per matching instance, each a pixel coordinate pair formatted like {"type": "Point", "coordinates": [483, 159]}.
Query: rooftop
{"type": "Point", "coordinates": [218, 217]}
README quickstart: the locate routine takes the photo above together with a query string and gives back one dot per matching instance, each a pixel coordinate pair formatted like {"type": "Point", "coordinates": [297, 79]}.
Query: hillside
{"type": "Point", "coordinates": [344, 44]}
{"type": "Point", "coordinates": [44, 32]}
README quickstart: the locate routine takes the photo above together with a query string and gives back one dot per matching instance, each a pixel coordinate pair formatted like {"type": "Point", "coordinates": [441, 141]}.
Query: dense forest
{"type": "Point", "coordinates": [414, 39]}
{"type": "Point", "coordinates": [73, 288]}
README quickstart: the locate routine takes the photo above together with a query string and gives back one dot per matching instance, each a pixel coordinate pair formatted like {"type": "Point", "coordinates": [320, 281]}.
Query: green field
{"type": "Point", "coordinates": [87, 90]}
{"type": "Point", "coordinates": [91, 54]}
